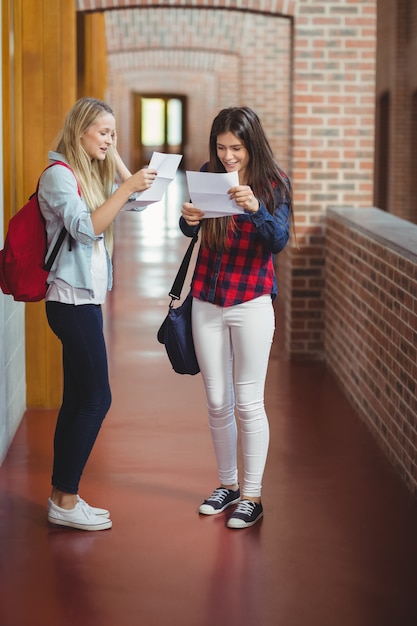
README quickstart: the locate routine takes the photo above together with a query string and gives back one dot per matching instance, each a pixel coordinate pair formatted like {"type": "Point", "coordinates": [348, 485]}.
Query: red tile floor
{"type": "Point", "coordinates": [338, 542]}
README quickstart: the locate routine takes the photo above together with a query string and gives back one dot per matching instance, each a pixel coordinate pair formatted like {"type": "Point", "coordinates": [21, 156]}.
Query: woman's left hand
{"type": "Point", "coordinates": [243, 196]}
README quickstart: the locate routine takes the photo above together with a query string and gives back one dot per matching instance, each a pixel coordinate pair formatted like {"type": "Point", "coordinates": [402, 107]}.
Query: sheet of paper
{"type": "Point", "coordinates": [166, 166]}
{"type": "Point", "coordinates": [208, 192]}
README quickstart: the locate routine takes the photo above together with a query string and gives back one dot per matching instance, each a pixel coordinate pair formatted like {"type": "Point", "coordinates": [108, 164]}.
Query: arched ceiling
{"type": "Point", "coordinates": [214, 52]}
{"type": "Point", "coordinates": [274, 7]}
{"type": "Point", "coordinates": [131, 25]}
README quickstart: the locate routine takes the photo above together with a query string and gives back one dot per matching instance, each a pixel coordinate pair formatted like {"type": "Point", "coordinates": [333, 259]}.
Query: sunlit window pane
{"type": "Point", "coordinates": [153, 122]}
{"type": "Point", "coordinates": [174, 122]}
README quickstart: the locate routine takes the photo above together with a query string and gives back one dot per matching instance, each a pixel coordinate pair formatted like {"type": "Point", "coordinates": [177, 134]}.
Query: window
{"type": "Point", "coordinates": [158, 126]}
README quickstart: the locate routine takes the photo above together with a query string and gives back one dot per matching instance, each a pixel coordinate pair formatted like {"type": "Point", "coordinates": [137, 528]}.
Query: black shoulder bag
{"type": "Point", "coordinates": [176, 332]}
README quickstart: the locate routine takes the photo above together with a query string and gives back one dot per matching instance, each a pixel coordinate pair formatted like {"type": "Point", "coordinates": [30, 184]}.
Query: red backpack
{"type": "Point", "coordinates": [23, 271]}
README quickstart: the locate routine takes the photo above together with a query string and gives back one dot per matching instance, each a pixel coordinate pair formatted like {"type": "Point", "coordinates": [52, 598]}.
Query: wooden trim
{"type": "Point", "coordinates": [92, 61]}
{"type": "Point", "coordinates": [45, 88]}
{"type": "Point", "coordinates": [7, 91]}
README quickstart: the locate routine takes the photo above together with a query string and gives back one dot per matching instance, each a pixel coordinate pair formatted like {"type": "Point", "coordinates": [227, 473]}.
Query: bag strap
{"type": "Point", "coordinates": [51, 258]}
{"type": "Point", "coordinates": [175, 292]}
{"type": "Point", "coordinates": [47, 266]}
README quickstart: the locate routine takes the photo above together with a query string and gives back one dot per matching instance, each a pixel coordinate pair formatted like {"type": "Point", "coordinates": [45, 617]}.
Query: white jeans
{"type": "Point", "coordinates": [232, 346]}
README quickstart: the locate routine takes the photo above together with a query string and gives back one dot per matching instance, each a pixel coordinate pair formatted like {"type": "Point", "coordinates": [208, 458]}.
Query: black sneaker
{"type": "Point", "coordinates": [246, 514]}
{"type": "Point", "coordinates": [219, 500]}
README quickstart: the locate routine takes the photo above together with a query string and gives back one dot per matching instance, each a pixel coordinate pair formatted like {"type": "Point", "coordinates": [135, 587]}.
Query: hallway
{"type": "Point", "coordinates": [338, 542]}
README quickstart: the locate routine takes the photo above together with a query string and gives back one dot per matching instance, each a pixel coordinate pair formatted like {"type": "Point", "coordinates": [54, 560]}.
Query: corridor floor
{"type": "Point", "coordinates": [338, 542]}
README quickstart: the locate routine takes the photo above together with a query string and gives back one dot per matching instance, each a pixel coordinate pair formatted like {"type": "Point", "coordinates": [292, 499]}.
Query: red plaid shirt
{"type": "Point", "coordinates": [246, 269]}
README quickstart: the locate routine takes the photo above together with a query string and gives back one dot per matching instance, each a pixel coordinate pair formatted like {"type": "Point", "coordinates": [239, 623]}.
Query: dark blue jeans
{"type": "Point", "coordinates": [86, 395]}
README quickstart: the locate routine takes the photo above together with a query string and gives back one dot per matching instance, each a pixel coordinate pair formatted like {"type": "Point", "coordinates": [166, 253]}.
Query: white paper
{"type": "Point", "coordinates": [208, 192]}
{"type": "Point", "coordinates": [166, 165]}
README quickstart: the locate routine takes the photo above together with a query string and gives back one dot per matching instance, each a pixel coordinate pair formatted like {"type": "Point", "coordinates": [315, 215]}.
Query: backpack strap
{"type": "Point", "coordinates": [51, 258]}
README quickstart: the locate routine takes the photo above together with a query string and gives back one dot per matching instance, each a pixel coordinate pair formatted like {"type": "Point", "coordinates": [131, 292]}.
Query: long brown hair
{"type": "Point", "coordinates": [264, 175]}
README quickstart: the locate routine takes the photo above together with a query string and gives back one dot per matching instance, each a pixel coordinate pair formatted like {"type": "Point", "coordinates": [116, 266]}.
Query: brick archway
{"type": "Point", "coordinates": [190, 51]}
{"type": "Point", "coordinates": [329, 90]}
{"type": "Point", "coordinates": [272, 7]}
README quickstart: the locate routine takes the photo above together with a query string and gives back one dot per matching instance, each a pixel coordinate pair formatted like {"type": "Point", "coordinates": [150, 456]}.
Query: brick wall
{"type": "Point", "coordinates": [333, 144]}
{"type": "Point", "coordinates": [371, 325]}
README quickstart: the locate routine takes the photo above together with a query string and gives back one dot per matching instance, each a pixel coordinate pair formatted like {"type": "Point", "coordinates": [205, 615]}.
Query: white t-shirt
{"type": "Point", "coordinates": [60, 291]}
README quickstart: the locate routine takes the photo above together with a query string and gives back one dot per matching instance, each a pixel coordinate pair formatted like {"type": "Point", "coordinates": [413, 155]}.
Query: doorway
{"type": "Point", "coordinates": [158, 126]}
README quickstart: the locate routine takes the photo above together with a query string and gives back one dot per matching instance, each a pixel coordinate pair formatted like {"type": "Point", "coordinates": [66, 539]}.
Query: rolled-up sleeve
{"type": "Point", "coordinates": [61, 205]}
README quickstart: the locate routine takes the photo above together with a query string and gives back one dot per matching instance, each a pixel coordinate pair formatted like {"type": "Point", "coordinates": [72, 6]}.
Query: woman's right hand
{"type": "Point", "coordinates": [142, 179]}
{"type": "Point", "coordinates": [103, 216]}
{"type": "Point", "coordinates": [191, 214]}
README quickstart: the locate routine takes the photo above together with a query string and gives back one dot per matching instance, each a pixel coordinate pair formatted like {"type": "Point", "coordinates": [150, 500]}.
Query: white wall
{"type": "Point", "coordinates": [12, 370]}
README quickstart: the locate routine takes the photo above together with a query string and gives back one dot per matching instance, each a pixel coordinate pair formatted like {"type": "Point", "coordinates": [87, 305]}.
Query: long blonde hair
{"type": "Point", "coordinates": [95, 178]}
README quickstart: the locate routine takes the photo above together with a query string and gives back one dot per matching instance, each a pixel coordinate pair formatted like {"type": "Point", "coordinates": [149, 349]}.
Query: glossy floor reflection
{"type": "Point", "coordinates": [337, 545]}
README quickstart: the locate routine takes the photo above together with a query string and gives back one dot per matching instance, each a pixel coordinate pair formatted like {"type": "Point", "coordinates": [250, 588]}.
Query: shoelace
{"type": "Point", "coordinates": [83, 504]}
{"type": "Point", "coordinates": [219, 495]}
{"type": "Point", "coordinates": [85, 507]}
{"type": "Point", "coordinates": [246, 507]}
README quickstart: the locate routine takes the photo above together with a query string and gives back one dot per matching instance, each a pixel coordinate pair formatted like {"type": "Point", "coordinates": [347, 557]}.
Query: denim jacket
{"type": "Point", "coordinates": [61, 205]}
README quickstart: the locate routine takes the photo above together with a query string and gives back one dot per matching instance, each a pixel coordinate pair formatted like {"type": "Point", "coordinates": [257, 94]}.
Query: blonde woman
{"type": "Point", "coordinates": [78, 282]}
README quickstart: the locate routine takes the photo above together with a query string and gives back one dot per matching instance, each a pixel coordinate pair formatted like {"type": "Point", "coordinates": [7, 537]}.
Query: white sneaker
{"type": "Point", "coordinates": [94, 509]}
{"type": "Point", "coordinates": [80, 517]}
